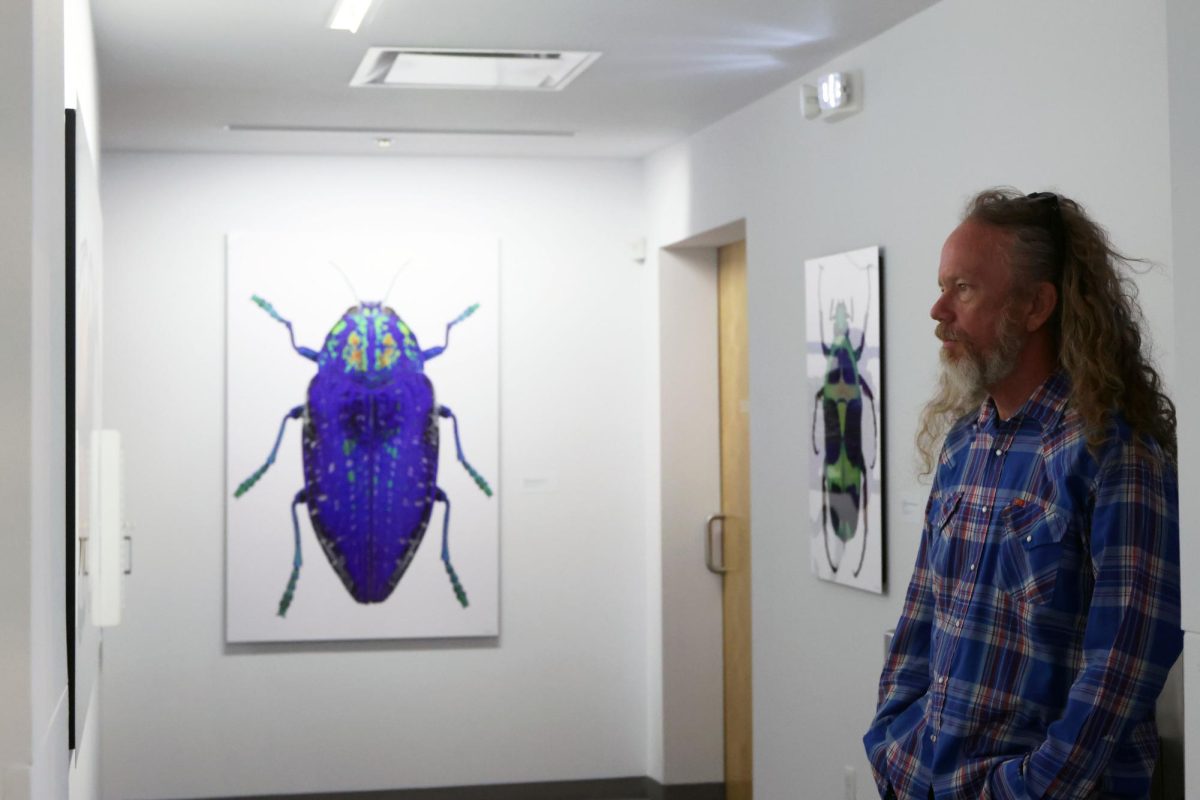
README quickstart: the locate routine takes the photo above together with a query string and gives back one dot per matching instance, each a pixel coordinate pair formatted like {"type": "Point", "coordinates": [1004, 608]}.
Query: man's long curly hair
{"type": "Point", "coordinates": [1097, 324]}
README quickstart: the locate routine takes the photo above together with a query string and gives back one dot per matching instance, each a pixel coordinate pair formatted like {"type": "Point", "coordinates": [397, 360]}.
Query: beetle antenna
{"type": "Point", "coordinates": [820, 275]}
{"type": "Point", "coordinates": [392, 285]}
{"type": "Point", "coordinates": [349, 285]}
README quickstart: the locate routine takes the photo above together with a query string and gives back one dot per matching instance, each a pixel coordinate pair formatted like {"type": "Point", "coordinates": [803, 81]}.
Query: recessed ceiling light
{"type": "Point", "coordinates": [348, 15]}
{"type": "Point", "coordinates": [537, 70]}
{"type": "Point", "coordinates": [383, 142]}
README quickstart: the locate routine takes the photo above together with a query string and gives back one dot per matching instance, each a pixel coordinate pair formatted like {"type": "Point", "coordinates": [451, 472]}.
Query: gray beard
{"type": "Point", "coordinates": [962, 386]}
{"type": "Point", "coordinates": [968, 378]}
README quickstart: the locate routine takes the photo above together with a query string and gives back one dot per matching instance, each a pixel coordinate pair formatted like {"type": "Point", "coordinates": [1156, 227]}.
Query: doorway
{"type": "Point", "coordinates": [706, 676]}
{"type": "Point", "coordinates": [735, 509]}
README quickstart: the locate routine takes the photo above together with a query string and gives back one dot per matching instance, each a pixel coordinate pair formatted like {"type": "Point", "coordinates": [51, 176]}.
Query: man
{"type": "Point", "coordinates": [1043, 612]}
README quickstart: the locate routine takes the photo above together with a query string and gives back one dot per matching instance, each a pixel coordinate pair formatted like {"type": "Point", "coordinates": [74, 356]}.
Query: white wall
{"type": "Point", "coordinates": [33, 732]}
{"type": "Point", "coordinates": [962, 96]}
{"type": "Point", "coordinates": [1183, 66]}
{"type": "Point", "coordinates": [81, 87]}
{"type": "Point", "coordinates": [562, 694]}
{"type": "Point", "coordinates": [16, 243]}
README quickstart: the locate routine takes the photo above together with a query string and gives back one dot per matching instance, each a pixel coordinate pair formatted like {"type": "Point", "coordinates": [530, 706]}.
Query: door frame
{"type": "Point", "coordinates": [686, 692]}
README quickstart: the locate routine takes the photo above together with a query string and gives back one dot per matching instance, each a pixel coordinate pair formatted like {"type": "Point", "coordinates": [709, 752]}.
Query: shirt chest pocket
{"type": "Point", "coordinates": [1031, 552]}
{"type": "Point", "coordinates": [941, 542]}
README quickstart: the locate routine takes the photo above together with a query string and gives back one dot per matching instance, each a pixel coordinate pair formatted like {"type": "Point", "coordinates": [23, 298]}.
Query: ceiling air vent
{"type": "Point", "coordinates": [426, 68]}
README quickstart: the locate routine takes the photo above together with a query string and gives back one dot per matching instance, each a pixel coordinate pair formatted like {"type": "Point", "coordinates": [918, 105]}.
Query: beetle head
{"type": "Point", "coordinates": [370, 343]}
{"type": "Point", "coordinates": [841, 319]}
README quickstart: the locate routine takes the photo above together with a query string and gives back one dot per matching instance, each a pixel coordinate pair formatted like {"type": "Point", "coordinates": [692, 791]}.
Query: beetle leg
{"type": "Point", "coordinates": [862, 341]}
{"type": "Point", "coordinates": [440, 497]}
{"type": "Point", "coordinates": [866, 493]}
{"type": "Point", "coordinates": [307, 352]}
{"type": "Point", "coordinates": [479, 480]}
{"type": "Point", "coordinates": [816, 404]}
{"type": "Point", "coordinates": [874, 418]}
{"type": "Point", "coordinates": [825, 522]}
{"type": "Point", "coordinates": [245, 485]}
{"type": "Point", "coordinates": [286, 600]}
{"type": "Point", "coordinates": [433, 352]}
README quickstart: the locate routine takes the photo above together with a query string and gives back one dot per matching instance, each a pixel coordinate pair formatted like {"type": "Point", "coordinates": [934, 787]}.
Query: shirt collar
{"type": "Point", "coordinates": [1045, 406]}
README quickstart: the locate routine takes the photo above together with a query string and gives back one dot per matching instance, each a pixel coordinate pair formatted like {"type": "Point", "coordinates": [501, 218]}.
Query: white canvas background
{"type": "Point", "coordinates": [852, 277]}
{"type": "Point", "coordinates": [436, 277]}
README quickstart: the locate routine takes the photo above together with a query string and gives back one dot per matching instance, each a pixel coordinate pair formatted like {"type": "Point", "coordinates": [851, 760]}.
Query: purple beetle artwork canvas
{"type": "Point", "coordinates": [385, 421]}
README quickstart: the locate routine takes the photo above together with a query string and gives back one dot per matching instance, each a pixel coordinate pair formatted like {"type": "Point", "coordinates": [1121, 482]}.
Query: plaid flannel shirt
{"type": "Point", "coordinates": [1042, 616]}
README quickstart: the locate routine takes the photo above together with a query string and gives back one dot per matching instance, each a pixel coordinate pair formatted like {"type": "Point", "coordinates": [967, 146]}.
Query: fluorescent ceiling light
{"type": "Point", "coordinates": [236, 127]}
{"type": "Point", "coordinates": [348, 15]}
{"type": "Point", "coordinates": [430, 68]}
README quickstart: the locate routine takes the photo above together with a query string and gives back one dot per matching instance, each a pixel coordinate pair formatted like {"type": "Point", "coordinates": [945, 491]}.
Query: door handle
{"type": "Point", "coordinates": [709, 550]}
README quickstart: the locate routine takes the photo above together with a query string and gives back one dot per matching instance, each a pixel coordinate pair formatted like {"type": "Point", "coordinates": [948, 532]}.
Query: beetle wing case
{"type": "Point", "coordinates": [370, 465]}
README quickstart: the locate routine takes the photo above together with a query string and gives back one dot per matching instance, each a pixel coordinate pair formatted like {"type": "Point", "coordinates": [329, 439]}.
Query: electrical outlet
{"type": "Point", "coordinates": [849, 783]}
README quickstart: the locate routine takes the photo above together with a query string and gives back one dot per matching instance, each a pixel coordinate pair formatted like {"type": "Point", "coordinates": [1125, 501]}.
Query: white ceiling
{"type": "Point", "coordinates": [174, 73]}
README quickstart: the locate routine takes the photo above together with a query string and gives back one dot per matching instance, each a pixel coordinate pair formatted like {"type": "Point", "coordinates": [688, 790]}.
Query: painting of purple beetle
{"type": "Point", "coordinates": [371, 439]}
{"type": "Point", "coordinates": [362, 423]}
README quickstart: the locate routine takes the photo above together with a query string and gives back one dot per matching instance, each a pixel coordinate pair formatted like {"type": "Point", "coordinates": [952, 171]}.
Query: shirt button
{"type": "Point", "coordinates": [958, 623]}
{"type": "Point", "coordinates": [933, 737]}
{"type": "Point", "coordinates": [972, 568]}
{"type": "Point", "coordinates": [999, 452]}
{"type": "Point", "coordinates": [942, 679]}
{"type": "Point", "coordinates": [1029, 538]}
{"type": "Point", "coordinates": [985, 508]}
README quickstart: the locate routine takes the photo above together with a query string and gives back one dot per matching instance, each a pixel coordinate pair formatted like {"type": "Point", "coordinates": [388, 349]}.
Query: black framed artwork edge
{"type": "Point", "coordinates": [69, 312]}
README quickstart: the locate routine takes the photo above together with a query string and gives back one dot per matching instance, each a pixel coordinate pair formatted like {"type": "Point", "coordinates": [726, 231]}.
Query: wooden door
{"type": "Point", "coordinates": [735, 506]}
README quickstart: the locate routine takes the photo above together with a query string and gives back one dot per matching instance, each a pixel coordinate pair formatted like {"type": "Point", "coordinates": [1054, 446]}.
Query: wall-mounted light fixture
{"type": "Point", "coordinates": [834, 91]}
{"type": "Point", "coordinates": [835, 95]}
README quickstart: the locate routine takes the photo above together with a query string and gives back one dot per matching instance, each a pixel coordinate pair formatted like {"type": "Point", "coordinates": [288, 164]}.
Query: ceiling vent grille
{"type": "Point", "coordinates": [431, 68]}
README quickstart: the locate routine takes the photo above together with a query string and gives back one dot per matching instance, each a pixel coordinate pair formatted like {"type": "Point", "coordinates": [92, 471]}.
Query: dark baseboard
{"type": "Point", "coordinates": [683, 791]}
{"type": "Point", "coordinates": [604, 789]}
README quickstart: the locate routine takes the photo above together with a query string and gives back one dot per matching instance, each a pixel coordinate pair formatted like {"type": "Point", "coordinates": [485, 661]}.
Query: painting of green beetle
{"type": "Point", "coordinates": [844, 362]}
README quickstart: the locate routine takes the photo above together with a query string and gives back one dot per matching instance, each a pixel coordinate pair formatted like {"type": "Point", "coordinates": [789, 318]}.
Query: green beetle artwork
{"type": "Point", "coordinates": [844, 360]}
